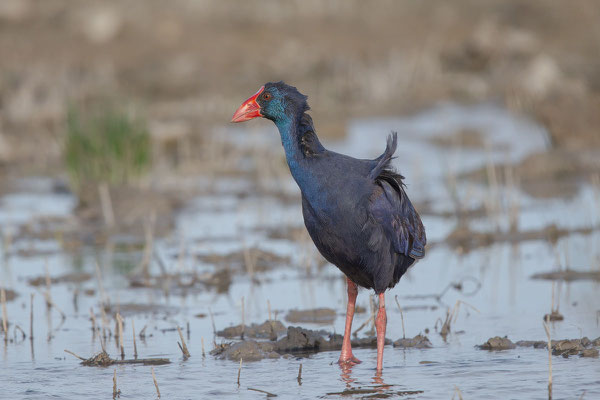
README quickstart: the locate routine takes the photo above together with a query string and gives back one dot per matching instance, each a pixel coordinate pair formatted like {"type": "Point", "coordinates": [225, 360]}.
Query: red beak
{"type": "Point", "coordinates": [249, 109]}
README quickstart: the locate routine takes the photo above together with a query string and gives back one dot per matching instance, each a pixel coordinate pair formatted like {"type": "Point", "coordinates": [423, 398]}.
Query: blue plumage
{"type": "Point", "coordinates": [356, 211]}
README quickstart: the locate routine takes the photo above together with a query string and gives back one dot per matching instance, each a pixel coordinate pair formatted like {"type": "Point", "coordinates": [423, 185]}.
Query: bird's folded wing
{"type": "Point", "coordinates": [393, 216]}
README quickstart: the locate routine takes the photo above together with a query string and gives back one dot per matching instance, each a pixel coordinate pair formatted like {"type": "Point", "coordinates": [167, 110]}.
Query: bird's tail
{"type": "Point", "coordinates": [383, 160]}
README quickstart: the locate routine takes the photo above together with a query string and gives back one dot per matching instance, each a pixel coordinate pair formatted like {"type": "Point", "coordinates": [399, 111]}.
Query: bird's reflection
{"type": "Point", "coordinates": [379, 386]}
{"type": "Point", "coordinates": [346, 373]}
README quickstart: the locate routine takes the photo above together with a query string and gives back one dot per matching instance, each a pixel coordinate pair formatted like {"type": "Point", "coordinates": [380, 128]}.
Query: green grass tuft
{"type": "Point", "coordinates": [105, 145]}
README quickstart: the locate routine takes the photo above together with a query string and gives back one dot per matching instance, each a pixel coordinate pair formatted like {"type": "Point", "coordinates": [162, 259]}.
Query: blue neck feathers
{"type": "Point", "coordinates": [288, 130]}
{"type": "Point", "coordinates": [300, 166]}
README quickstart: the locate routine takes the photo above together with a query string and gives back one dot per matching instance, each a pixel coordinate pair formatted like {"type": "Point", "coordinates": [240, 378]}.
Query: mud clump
{"type": "Point", "coordinates": [590, 353]}
{"type": "Point", "coordinates": [266, 330]}
{"type": "Point", "coordinates": [536, 344]}
{"type": "Point", "coordinates": [10, 294]}
{"type": "Point", "coordinates": [300, 339]}
{"type": "Point", "coordinates": [554, 316]}
{"type": "Point", "coordinates": [185, 283]}
{"type": "Point", "coordinates": [261, 260]}
{"type": "Point", "coordinates": [99, 360]}
{"type": "Point", "coordinates": [129, 309]}
{"type": "Point", "coordinates": [465, 239]}
{"type": "Point", "coordinates": [570, 347]}
{"type": "Point", "coordinates": [566, 347]}
{"type": "Point", "coordinates": [297, 340]}
{"type": "Point", "coordinates": [498, 343]}
{"type": "Point", "coordinates": [102, 359]}
{"type": "Point", "coordinates": [568, 275]}
{"type": "Point", "coordinates": [315, 316]}
{"type": "Point", "coordinates": [418, 342]}
{"type": "Point", "coordinates": [73, 277]}
{"type": "Point", "coordinates": [248, 350]}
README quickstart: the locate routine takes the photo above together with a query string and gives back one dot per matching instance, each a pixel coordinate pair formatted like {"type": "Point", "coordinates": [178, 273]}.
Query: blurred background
{"type": "Point", "coordinates": [116, 148]}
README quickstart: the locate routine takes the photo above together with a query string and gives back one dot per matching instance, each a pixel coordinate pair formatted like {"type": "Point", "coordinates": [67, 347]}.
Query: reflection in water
{"type": "Point", "coordinates": [346, 373]}
{"type": "Point", "coordinates": [379, 389]}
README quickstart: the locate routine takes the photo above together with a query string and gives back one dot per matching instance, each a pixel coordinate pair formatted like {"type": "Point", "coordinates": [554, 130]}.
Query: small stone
{"type": "Point", "coordinates": [589, 353]}
{"type": "Point", "coordinates": [498, 343]}
{"type": "Point", "coordinates": [554, 316]}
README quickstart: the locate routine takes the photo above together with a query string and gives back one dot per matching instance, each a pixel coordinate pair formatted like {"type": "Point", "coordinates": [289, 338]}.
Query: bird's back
{"type": "Point", "coordinates": [360, 218]}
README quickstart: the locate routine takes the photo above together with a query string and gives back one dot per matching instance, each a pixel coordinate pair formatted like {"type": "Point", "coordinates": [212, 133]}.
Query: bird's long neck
{"type": "Point", "coordinates": [301, 145]}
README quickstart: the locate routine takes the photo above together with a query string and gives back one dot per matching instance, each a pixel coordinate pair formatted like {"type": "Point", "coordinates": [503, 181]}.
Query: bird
{"type": "Point", "coordinates": [356, 211]}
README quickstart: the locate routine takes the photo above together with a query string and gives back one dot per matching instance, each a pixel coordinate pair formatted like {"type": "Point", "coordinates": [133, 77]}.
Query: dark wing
{"type": "Point", "coordinates": [390, 208]}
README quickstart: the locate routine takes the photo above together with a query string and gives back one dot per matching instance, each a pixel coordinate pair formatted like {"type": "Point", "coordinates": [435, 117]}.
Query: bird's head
{"type": "Point", "coordinates": [275, 101]}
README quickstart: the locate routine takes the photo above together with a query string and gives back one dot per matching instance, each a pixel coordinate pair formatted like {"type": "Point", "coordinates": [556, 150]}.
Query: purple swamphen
{"type": "Point", "coordinates": [356, 211]}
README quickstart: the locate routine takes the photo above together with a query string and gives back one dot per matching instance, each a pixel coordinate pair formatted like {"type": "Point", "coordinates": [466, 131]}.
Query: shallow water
{"type": "Point", "coordinates": [508, 301]}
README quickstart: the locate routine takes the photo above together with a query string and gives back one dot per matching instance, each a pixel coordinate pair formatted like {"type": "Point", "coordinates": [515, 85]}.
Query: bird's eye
{"type": "Point", "coordinates": [266, 96]}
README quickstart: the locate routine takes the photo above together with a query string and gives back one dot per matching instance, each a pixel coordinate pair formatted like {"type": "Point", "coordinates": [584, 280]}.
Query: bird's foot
{"type": "Point", "coordinates": [349, 359]}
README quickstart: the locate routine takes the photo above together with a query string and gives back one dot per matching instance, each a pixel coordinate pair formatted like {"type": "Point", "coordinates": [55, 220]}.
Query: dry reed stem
{"type": "Point", "coordinates": [269, 309]}
{"type": "Point", "coordinates": [93, 319]}
{"type": "Point", "coordinates": [17, 327]}
{"type": "Point", "coordinates": [149, 246]}
{"type": "Point", "coordinates": [135, 353]}
{"type": "Point", "coordinates": [76, 300]}
{"type": "Point", "coordinates": [73, 354]}
{"type": "Point", "coordinates": [239, 372]}
{"type": "Point", "coordinates": [371, 318]}
{"type": "Point", "coordinates": [457, 392]}
{"type": "Point", "coordinates": [249, 262]}
{"type": "Point", "coordinates": [371, 331]}
{"type": "Point", "coordinates": [52, 304]}
{"type": "Point", "coordinates": [100, 285]}
{"type": "Point", "coordinates": [212, 321]}
{"type": "Point", "coordinates": [243, 320]}
{"type": "Point", "coordinates": [155, 382]}
{"type": "Point", "coordinates": [31, 316]}
{"type": "Point", "coordinates": [115, 384]}
{"type": "Point", "coordinates": [401, 316]}
{"type": "Point", "coordinates": [269, 394]}
{"type": "Point", "coordinates": [182, 345]}
{"type": "Point", "coordinates": [48, 294]}
{"type": "Point", "coordinates": [106, 205]}
{"type": "Point", "coordinates": [203, 353]}
{"type": "Point", "coordinates": [549, 358]}
{"type": "Point", "coordinates": [300, 374]}
{"type": "Point", "coordinates": [120, 328]}
{"type": "Point", "coordinates": [452, 316]}
{"type": "Point", "coordinates": [4, 314]}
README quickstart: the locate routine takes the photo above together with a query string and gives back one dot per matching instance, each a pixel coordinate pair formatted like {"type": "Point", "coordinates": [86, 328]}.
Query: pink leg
{"type": "Point", "coordinates": [346, 355]}
{"type": "Point", "coordinates": [380, 324]}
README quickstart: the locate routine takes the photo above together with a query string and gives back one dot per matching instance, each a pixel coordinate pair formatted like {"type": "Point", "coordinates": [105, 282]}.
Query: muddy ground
{"type": "Point", "coordinates": [495, 105]}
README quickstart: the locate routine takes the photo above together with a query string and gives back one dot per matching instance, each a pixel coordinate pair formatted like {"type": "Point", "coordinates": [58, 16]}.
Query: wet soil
{"type": "Point", "coordinates": [498, 343]}
{"type": "Point", "coordinates": [297, 341]}
{"type": "Point", "coordinates": [583, 347]}
{"type": "Point", "coordinates": [568, 275]}
{"type": "Point", "coordinates": [266, 330]}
